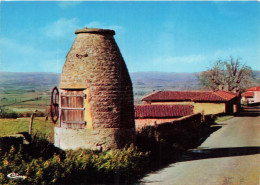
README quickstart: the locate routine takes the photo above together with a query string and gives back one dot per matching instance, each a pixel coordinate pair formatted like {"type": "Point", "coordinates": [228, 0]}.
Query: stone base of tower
{"type": "Point", "coordinates": [97, 139]}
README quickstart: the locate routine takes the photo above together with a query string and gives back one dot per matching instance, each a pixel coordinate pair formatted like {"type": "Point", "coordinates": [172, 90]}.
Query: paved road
{"type": "Point", "coordinates": [231, 155]}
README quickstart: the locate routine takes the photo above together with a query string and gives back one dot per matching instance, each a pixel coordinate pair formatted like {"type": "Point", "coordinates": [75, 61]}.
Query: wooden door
{"type": "Point", "coordinates": [72, 109]}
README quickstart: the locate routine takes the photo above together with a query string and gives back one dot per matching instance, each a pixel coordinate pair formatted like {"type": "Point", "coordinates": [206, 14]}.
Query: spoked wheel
{"type": "Point", "coordinates": [54, 107]}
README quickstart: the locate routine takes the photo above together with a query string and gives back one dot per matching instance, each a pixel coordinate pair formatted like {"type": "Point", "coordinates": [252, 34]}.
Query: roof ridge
{"type": "Point", "coordinates": [227, 92]}
{"type": "Point", "coordinates": [162, 104]}
{"type": "Point", "coordinates": [155, 92]}
{"type": "Point", "coordinates": [201, 95]}
{"type": "Point", "coordinates": [215, 93]}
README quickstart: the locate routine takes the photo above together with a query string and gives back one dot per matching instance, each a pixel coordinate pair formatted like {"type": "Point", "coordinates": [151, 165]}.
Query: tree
{"type": "Point", "coordinates": [228, 76]}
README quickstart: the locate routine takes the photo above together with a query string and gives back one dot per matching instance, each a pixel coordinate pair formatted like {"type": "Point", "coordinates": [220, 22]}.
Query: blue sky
{"type": "Point", "coordinates": [166, 36]}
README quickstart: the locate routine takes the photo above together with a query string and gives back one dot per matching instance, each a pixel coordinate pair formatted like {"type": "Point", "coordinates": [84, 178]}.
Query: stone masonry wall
{"type": "Point", "coordinates": [95, 62]}
{"type": "Point", "coordinates": [98, 139]}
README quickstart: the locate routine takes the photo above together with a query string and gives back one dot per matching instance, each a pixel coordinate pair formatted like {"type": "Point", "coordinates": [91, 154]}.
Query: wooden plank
{"type": "Point", "coordinates": [69, 108]}
{"type": "Point", "coordinates": [74, 95]}
{"type": "Point", "coordinates": [73, 122]}
{"type": "Point", "coordinates": [73, 109]}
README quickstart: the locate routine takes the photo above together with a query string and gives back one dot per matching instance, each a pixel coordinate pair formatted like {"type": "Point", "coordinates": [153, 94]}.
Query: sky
{"type": "Point", "coordinates": [169, 36]}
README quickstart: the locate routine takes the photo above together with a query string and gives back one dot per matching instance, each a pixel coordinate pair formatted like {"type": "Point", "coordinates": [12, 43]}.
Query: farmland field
{"type": "Point", "coordinates": [25, 92]}
{"type": "Point", "coordinates": [24, 101]}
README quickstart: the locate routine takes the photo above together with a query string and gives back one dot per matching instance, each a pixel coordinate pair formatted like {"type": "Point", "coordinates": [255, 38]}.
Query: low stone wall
{"type": "Point", "coordinates": [141, 123]}
{"type": "Point", "coordinates": [168, 129]}
{"type": "Point", "coordinates": [183, 123]}
{"type": "Point", "coordinates": [97, 139]}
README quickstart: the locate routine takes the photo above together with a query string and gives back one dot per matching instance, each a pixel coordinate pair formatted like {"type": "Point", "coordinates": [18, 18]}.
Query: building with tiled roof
{"type": "Point", "coordinates": [257, 88]}
{"type": "Point", "coordinates": [148, 114]}
{"type": "Point", "coordinates": [252, 95]}
{"type": "Point", "coordinates": [206, 102]}
{"type": "Point", "coordinates": [249, 94]}
{"type": "Point", "coordinates": [164, 96]}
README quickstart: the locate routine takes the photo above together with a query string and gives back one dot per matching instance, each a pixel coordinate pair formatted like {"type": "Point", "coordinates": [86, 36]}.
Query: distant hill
{"type": "Point", "coordinates": [140, 80]}
{"type": "Point", "coordinates": [28, 81]}
{"type": "Point", "coordinates": [36, 80]}
{"type": "Point", "coordinates": [163, 79]}
{"type": "Point", "coordinates": [170, 78]}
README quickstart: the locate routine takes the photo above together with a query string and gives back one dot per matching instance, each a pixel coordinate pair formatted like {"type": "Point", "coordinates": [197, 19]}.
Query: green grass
{"type": "Point", "coordinates": [223, 118]}
{"type": "Point", "coordinates": [21, 108]}
{"type": "Point", "coordinates": [42, 127]}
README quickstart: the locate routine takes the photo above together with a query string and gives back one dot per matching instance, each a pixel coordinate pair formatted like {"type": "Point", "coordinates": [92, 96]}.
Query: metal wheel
{"type": "Point", "coordinates": [54, 106]}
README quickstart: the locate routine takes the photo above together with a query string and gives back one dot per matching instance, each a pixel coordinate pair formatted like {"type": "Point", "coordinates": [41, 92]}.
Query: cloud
{"type": "Point", "coordinates": [61, 28]}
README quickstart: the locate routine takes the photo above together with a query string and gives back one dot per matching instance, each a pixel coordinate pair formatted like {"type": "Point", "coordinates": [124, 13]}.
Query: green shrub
{"type": "Point", "coordinates": [81, 166]}
{"type": "Point", "coordinates": [5, 114]}
{"type": "Point", "coordinates": [39, 114]}
{"type": "Point", "coordinates": [20, 115]}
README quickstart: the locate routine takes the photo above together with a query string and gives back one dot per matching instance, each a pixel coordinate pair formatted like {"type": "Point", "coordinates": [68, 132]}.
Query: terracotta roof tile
{"type": "Point", "coordinates": [257, 88]}
{"type": "Point", "coordinates": [162, 111]}
{"type": "Point", "coordinates": [209, 96]}
{"type": "Point", "coordinates": [249, 94]}
{"type": "Point", "coordinates": [173, 95]}
{"type": "Point", "coordinates": [219, 96]}
{"type": "Point", "coordinates": [226, 95]}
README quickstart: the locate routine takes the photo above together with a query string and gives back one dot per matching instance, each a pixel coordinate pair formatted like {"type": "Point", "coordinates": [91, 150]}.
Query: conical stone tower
{"type": "Point", "coordinates": [96, 95]}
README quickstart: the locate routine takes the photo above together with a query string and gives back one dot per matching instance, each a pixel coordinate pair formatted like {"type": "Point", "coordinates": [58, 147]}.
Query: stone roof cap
{"type": "Point", "coordinates": [95, 31]}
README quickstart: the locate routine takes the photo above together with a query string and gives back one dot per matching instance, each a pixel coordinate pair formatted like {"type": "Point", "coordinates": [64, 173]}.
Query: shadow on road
{"type": "Point", "coordinates": [198, 154]}
{"type": "Point", "coordinates": [170, 150]}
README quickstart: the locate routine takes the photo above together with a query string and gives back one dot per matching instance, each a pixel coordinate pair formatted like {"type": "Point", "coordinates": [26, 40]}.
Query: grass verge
{"type": "Point", "coordinates": [223, 118]}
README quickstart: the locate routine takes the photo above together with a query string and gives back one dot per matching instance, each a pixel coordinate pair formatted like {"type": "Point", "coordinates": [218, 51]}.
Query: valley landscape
{"type": "Point", "coordinates": [25, 92]}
